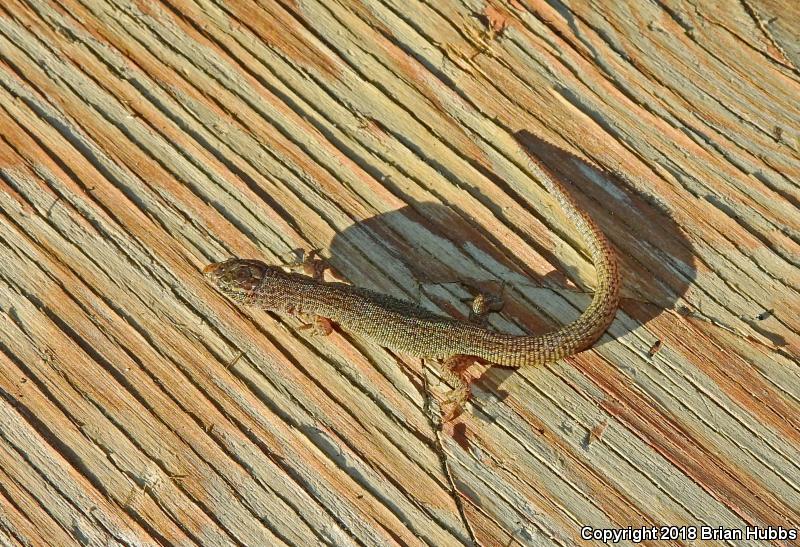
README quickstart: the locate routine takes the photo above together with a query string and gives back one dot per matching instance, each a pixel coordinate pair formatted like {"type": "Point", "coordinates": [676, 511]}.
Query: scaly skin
{"type": "Point", "coordinates": [411, 329]}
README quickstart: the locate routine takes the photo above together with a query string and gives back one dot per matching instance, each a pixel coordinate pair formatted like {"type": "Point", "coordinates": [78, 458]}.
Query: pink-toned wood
{"type": "Point", "coordinates": [141, 140]}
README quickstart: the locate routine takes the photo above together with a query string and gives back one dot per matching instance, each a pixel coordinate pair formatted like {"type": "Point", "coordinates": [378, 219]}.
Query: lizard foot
{"type": "Point", "coordinates": [454, 370]}
{"type": "Point", "coordinates": [453, 406]}
{"type": "Point", "coordinates": [308, 263]}
{"type": "Point", "coordinates": [484, 303]}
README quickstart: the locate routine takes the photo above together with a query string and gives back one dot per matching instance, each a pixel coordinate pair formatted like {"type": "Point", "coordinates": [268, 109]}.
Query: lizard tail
{"type": "Point", "coordinates": [516, 351]}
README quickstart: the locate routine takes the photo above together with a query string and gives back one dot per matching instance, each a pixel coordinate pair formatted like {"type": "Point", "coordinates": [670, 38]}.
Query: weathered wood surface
{"type": "Point", "coordinates": [141, 140]}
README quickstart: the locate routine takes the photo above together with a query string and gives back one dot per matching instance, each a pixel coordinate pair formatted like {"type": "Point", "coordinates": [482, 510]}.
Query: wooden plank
{"type": "Point", "coordinates": [141, 140]}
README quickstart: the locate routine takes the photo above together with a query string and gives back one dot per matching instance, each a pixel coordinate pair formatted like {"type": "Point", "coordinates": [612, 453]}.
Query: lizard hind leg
{"type": "Point", "coordinates": [454, 370]}
{"type": "Point", "coordinates": [482, 305]}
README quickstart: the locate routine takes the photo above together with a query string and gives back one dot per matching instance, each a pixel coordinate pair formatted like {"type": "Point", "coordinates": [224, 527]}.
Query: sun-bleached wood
{"type": "Point", "coordinates": [141, 140]}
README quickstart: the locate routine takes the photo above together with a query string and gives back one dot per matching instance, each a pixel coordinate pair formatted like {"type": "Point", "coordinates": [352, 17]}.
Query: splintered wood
{"type": "Point", "coordinates": [141, 140]}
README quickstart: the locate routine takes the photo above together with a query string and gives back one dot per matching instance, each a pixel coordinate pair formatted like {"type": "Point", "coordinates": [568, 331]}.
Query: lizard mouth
{"type": "Point", "coordinates": [220, 272]}
{"type": "Point", "coordinates": [212, 270]}
{"type": "Point", "coordinates": [217, 271]}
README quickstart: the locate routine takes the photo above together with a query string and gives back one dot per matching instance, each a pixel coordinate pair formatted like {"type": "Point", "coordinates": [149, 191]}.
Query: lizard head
{"type": "Point", "coordinates": [237, 278]}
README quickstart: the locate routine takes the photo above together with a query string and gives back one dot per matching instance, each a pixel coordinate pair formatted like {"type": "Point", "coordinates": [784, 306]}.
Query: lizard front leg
{"type": "Point", "coordinates": [310, 263]}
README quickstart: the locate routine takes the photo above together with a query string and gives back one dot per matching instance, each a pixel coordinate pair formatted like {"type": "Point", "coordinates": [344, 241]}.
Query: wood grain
{"type": "Point", "coordinates": [141, 140]}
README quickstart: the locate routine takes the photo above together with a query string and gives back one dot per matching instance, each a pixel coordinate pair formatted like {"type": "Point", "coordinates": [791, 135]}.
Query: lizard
{"type": "Point", "coordinates": [411, 329]}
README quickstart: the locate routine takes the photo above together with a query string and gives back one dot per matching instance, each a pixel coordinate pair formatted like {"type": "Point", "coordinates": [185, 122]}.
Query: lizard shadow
{"type": "Point", "coordinates": [450, 255]}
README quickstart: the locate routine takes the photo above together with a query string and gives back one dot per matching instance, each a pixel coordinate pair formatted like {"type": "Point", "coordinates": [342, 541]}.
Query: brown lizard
{"type": "Point", "coordinates": [411, 329]}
